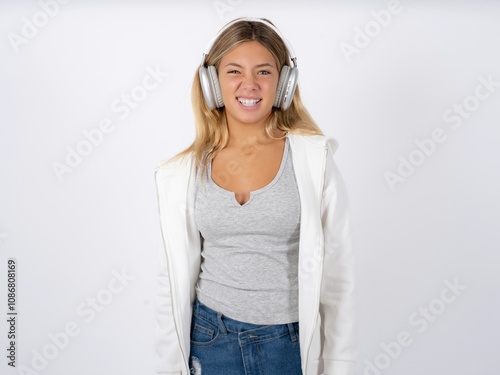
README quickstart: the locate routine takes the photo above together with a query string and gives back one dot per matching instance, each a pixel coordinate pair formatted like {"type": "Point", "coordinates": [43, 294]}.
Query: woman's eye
{"type": "Point", "coordinates": [233, 72]}
{"type": "Point", "coordinates": [264, 72]}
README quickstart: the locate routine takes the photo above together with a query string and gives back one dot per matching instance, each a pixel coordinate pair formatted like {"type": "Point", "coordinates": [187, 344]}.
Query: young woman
{"type": "Point", "coordinates": [257, 260]}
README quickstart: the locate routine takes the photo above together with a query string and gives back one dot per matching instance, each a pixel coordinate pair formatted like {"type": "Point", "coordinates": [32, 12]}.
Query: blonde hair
{"type": "Point", "coordinates": [212, 133]}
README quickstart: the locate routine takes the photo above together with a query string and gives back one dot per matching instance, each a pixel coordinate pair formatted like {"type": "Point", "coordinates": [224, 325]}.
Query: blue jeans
{"type": "Point", "coordinates": [220, 346]}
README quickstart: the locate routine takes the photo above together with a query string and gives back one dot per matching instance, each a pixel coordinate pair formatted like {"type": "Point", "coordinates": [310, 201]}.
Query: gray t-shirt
{"type": "Point", "coordinates": [249, 269]}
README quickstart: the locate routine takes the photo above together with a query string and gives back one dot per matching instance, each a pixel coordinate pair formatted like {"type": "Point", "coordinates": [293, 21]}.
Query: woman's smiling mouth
{"type": "Point", "coordinates": [248, 102]}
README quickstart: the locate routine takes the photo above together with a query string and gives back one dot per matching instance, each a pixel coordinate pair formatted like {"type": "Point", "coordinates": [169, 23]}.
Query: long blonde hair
{"type": "Point", "coordinates": [212, 133]}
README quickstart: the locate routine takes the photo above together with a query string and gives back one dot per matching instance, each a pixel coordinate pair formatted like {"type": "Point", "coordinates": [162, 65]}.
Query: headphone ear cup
{"type": "Point", "coordinates": [210, 87]}
{"type": "Point", "coordinates": [205, 87]}
{"type": "Point", "coordinates": [289, 90]}
{"type": "Point", "coordinates": [286, 87]}
{"type": "Point", "coordinates": [214, 79]}
{"type": "Point", "coordinates": [285, 70]}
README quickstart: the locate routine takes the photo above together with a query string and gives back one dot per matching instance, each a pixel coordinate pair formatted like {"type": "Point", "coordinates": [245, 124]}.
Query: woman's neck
{"type": "Point", "coordinates": [245, 134]}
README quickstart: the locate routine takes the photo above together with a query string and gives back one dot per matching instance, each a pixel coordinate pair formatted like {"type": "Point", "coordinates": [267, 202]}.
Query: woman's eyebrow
{"type": "Point", "coordinates": [257, 66]}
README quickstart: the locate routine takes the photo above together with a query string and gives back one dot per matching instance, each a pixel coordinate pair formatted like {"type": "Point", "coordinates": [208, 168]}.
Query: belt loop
{"type": "Point", "coordinates": [291, 330]}
{"type": "Point", "coordinates": [222, 327]}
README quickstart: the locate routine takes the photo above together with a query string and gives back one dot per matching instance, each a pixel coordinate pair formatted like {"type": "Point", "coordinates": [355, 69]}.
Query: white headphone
{"type": "Point", "coordinates": [287, 81]}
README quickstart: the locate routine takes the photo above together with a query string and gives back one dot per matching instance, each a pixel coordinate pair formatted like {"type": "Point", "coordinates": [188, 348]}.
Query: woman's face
{"type": "Point", "coordinates": [248, 78]}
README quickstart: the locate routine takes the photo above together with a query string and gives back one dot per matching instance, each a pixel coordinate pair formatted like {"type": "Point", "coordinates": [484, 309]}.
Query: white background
{"type": "Point", "coordinates": [69, 235]}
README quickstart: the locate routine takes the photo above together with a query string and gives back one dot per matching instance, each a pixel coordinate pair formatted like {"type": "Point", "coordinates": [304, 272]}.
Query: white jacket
{"type": "Point", "coordinates": [326, 275]}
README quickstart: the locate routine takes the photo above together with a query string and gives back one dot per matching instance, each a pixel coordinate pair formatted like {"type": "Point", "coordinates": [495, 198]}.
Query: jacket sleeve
{"type": "Point", "coordinates": [168, 353]}
{"type": "Point", "coordinates": [337, 300]}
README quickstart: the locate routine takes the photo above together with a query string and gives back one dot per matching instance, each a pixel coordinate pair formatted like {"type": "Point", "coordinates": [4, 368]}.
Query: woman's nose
{"type": "Point", "coordinates": [249, 81]}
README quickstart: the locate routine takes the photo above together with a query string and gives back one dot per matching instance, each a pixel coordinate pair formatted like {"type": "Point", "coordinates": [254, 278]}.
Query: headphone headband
{"type": "Point", "coordinates": [288, 46]}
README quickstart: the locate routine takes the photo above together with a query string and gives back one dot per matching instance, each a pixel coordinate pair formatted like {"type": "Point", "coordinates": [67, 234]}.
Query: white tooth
{"type": "Point", "coordinates": [248, 102]}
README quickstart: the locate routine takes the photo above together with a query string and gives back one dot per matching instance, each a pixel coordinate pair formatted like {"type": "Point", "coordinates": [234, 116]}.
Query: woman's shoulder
{"type": "Point", "coordinates": [175, 163]}
{"type": "Point", "coordinates": [314, 140]}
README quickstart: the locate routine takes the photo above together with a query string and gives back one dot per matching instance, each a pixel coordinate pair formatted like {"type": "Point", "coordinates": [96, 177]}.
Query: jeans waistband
{"type": "Point", "coordinates": [246, 330]}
